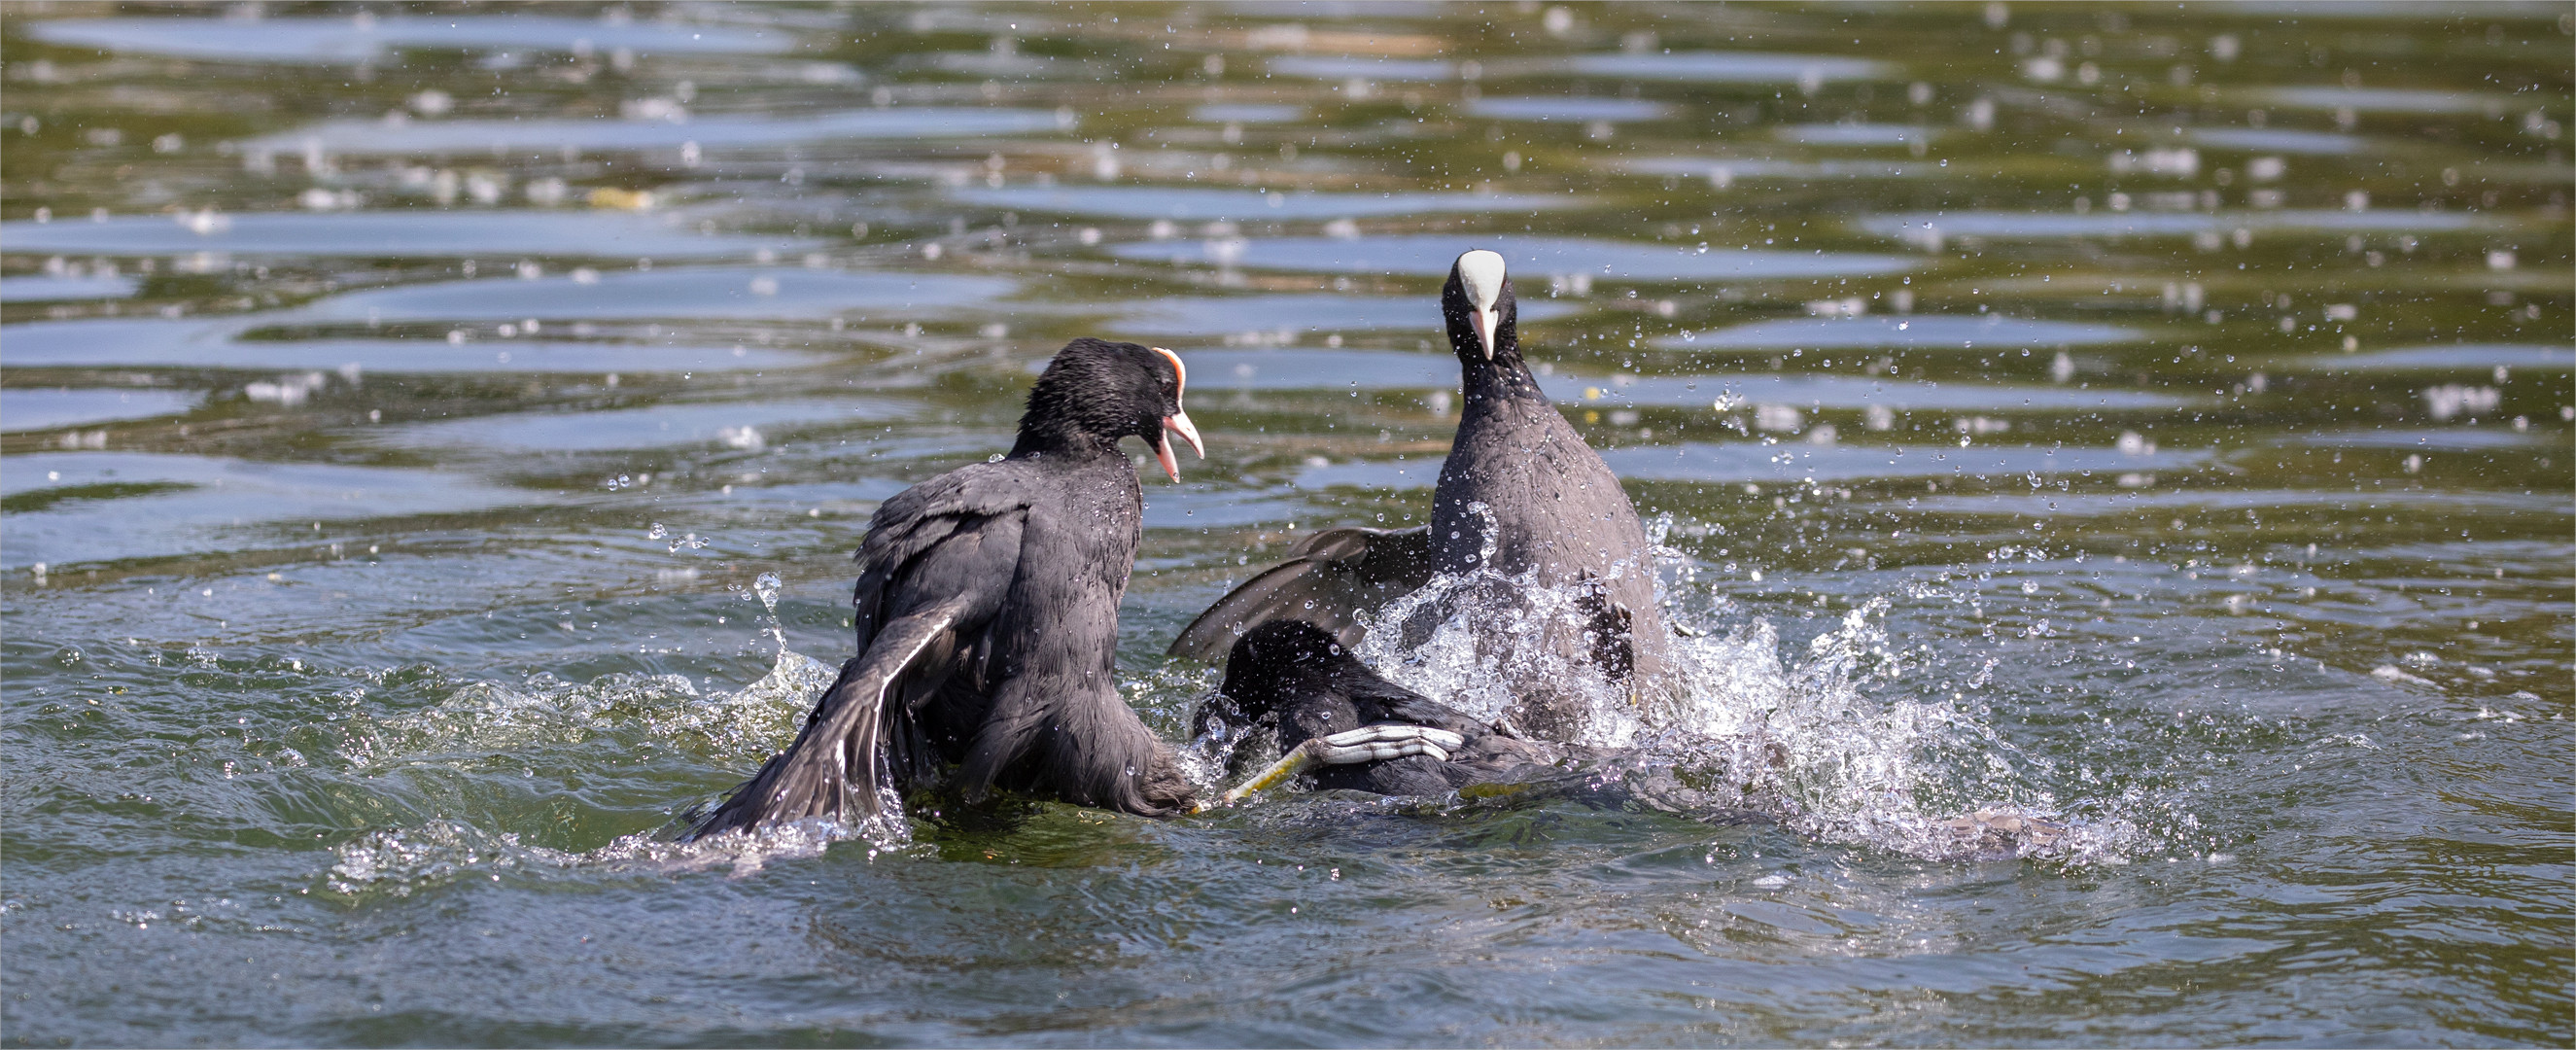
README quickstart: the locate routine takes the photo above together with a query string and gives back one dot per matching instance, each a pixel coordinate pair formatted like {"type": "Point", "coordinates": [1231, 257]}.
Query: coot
{"type": "Point", "coordinates": [1290, 682]}
{"type": "Point", "coordinates": [987, 611]}
{"type": "Point", "coordinates": [1520, 493]}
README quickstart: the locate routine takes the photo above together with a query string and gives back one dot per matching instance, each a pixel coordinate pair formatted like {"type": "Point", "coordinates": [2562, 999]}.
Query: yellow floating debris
{"type": "Point", "coordinates": [621, 200]}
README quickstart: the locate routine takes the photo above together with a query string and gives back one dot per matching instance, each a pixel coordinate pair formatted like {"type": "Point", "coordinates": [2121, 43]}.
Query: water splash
{"type": "Point", "coordinates": [403, 862]}
{"type": "Point", "coordinates": [515, 725]}
{"type": "Point", "coordinates": [483, 723]}
{"type": "Point", "coordinates": [1802, 737]}
{"type": "Point", "coordinates": [1478, 677]}
{"type": "Point", "coordinates": [766, 587]}
{"type": "Point", "coordinates": [798, 679]}
{"type": "Point", "coordinates": [399, 862]}
{"type": "Point", "coordinates": [1485, 630]}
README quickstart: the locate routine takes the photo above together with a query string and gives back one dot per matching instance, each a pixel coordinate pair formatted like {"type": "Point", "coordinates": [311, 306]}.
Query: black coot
{"type": "Point", "coordinates": [1294, 675]}
{"type": "Point", "coordinates": [1520, 482]}
{"type": "Point", "coordinates": [987, 611]}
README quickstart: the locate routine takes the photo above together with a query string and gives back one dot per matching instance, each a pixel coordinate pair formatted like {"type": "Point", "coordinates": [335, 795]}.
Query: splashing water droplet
{"type": "Point", "coordinates": [1798, 735]}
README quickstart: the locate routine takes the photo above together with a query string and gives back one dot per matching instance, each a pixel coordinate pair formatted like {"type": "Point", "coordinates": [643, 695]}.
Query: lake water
{"type": "Point", "coordinates": [432, 446]}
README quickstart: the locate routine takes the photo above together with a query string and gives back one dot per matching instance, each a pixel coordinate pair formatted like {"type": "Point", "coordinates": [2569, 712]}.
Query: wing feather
{"type": "Point", "coordinates": [837, 761]}
{"type": "Point", "coordinates": [919, 520]}
{"type": "Point", "coordinates": [1327, 580]}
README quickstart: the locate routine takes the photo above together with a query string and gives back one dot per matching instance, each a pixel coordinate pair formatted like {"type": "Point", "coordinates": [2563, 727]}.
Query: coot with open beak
{"type": "Point", "coordinates": [987, 614]}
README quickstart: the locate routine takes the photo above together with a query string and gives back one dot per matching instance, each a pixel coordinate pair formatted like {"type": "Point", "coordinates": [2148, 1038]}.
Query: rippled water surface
{"type": "Point", "coordinates": [432, 439]}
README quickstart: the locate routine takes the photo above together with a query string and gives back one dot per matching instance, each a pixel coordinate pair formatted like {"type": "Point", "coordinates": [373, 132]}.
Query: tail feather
{"type": "Point", "coordinates": [838, 760]}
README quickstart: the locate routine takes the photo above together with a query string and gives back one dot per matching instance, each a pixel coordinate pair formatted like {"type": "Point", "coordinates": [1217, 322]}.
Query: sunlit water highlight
{"type": "Point", "coordinates": [2113, 463]}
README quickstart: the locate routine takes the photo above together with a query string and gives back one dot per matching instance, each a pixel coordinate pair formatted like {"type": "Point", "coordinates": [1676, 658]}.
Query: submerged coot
{"type": "Point", "coordinates": [1291, 674]}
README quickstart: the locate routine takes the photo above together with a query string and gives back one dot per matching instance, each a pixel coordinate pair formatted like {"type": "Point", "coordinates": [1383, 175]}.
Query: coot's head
{"type": "Point", "coordinates": [1272, 663]}
{"type": "Point", "coordinates": [1478, 304]}
{"type": "Point", "coordinates": [1095, 392]}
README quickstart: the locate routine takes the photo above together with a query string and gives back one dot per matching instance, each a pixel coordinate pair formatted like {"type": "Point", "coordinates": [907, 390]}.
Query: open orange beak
{"type": "Point", "coordinates": [1178, 423]}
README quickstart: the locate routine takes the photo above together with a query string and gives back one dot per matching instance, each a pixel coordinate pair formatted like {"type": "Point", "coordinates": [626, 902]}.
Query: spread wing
{"type": "Point", "coordinates": [837, 762]}
{"type": "Point", "coordinates": [936, 564]}
{"type": "Point", "coordinates": [1326, 581]}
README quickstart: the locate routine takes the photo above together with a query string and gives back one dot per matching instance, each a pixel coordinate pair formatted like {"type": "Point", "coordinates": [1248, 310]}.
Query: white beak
{"type": "Point", "coordinates": [1480, 276]}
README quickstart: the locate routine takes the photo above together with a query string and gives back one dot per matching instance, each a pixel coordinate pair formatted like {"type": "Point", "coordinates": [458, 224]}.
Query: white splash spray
{"type": "Point", "coordinates": [1804, 738]}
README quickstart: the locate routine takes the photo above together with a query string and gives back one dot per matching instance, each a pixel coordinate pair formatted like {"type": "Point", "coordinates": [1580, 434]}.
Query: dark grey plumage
{"type": "Point", "coordinates": [1294, 676]}
{"type": "Point", "coordinates": [1518, 479]}
{"type": "Point", "coordinates": [1312, 685]}
{"type": "Point", "coordinates": [1328, 579]}
{"type": "Point", "coordinates": [987, 614]}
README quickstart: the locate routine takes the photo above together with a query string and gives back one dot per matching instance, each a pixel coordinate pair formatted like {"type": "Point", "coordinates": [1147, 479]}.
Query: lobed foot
{"type": "Point", "coordinates": [1366, 744]}
{"type": "Point", "coordinates": [1382, 742]}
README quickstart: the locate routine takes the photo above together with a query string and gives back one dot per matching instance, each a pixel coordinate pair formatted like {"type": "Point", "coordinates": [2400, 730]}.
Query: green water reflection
{"type": "Point", "coordinates": [2158, 418]}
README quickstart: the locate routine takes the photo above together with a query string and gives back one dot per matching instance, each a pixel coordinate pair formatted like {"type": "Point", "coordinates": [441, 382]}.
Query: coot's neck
{"type": "Point", "coordinates": [1505, 378]}
{"type": "Point", "coordinates": [1062, 443]}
